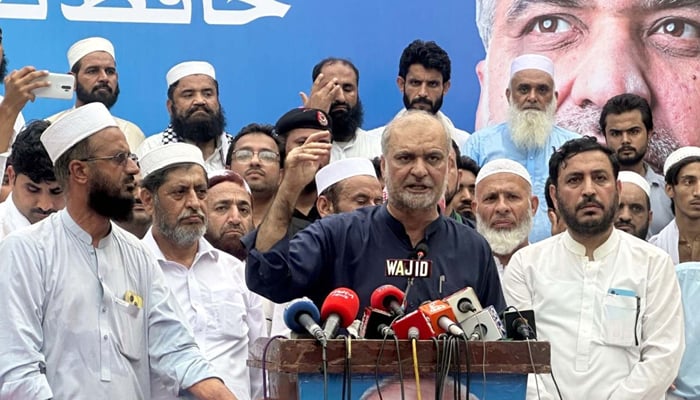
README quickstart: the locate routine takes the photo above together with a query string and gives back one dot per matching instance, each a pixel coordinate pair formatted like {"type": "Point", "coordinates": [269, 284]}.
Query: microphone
{"type": "Point", "coordinates": [464, 303]}
{"type": "Point", "coordinates": [388, 298]}
{"type": "Point", "coordinates": [421, 251]}
{"type": "Point", "coordinates": [520, 325]}
{"type": "Point", "coordinates": [374, 323]}
{"type": "Point", "coordinates": [441, 317]}
{"type": "Point", "coordinates": [412, 323]}
{"type": "Point", "coordinates": [339, 309]}
{"type": "Point", "coordinates": [302, 316]}
{"type": "Point", "coordinates": [484, 325]}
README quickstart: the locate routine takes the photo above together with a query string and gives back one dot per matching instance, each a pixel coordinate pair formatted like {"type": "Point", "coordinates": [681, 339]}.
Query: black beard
{"type": "Point", "coordinates": [94, 96]}
{"type": "Point", "coordinates": [628, 162]}
{"type": "Point", "coordinates": [198, 130]}
{"type": "Point", "coordinates": [108, 202]}
{"type": "Point", "coordinates": [346, 122]}
{"type": "Point", "coordinates": [434, 107]}
{"type": "Point", "coordinates": [3, 68]}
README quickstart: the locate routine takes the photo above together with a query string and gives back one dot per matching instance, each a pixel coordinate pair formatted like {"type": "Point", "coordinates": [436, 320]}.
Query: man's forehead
{"type": "Point", "coordinates": [532, 77]}
{"type": "Point", "coordinates": [196, 81]}
{"type": "Point", "coordinates": [337, 69]}
{"type": "Point", "coordinates": [256, 140]}
{"type": "Point", "coordinates": [587, 161]}
{"type": "Point", "coordinates": [189, 173]}
{"type": "Point", "coordinates": [225, 188]}
{"type": "Point", "coordinates": [96, 58]}
{"type": "Point", "coordinates": [629, 189]}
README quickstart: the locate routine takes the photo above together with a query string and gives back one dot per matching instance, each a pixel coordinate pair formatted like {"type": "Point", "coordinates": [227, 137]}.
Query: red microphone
{"type": "Point", "coordinates": [411, 322]}
{"type": "Point", "coordinates": [441, 317]}
{"type": "Point", "coordinates": [339, 309]}
{"type": "Point", "coordinates": [388, 298]}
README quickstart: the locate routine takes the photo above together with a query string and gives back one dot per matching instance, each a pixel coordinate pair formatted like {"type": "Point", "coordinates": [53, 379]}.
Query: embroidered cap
{"type": "Point", "coordinates": [188, 68]}
{"type": "Point", "coordinates": [74, 126]}
{"type": "Point", "coordinates": [680, 155]}
{"type": "Point", "coordinates": [635, 178]}
{"type": "Point", "coordinates": [503, 165]}
{"type": "Point", "coordinates": [343, 169]}
{"type": "Point", "coordinates": [532, 61]}
{"type": "Point", "coordinates": [81, 48]}
{"type": "Point", "coordinates": [164, 156]}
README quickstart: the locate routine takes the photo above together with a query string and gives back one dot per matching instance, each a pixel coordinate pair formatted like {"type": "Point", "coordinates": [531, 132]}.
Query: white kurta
{"type": "Point", "coordinates": [225, 316]}
{"type": "Point", "coordinates": [667, 240]}
{"type": "Point", "coordinates": [10, 217]}
{"type": "Point", "coordinates": [615, 324]}
{"type": "Point", "coordinates": [458, 135]}
{"type": "Point", "coordinates": [364, 145]}
{"type": "Point", "coordinates": [19, 123]}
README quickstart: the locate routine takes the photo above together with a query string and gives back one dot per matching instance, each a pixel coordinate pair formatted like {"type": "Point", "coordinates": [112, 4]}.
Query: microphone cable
{"type": "Point", "coordinates": [398, 359]}
{"type": "Point", "coordinates": [324, 359]}
{"type": "Point", "coordinates": [266, 395]}
{"type": "Point", "coordinates": [347, 372]}
{"type": "Point", "coordinates": [415, 367]}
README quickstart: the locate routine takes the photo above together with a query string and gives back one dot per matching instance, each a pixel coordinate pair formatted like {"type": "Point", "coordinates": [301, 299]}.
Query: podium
{"type": "Point", "coordinates": [498, 370]}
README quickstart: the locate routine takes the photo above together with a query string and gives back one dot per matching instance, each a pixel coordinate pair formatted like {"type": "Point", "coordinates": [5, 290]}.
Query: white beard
{"type": "Point", "coordinates": [505, 241]}
{"type": "Point", "coordinates": [530, 129]}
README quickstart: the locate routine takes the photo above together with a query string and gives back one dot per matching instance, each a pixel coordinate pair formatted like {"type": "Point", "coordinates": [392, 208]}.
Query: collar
{"type": "Point", "coordinates": [652, 177]}
{"type": "Point", "coordinates": [610, 245]}
{"type": "Point", "coordinates": [400, 231]}
{"type": "Point", "coordinates": [204, 249]}
{"type": "Point", "coordinates": [81, 233]}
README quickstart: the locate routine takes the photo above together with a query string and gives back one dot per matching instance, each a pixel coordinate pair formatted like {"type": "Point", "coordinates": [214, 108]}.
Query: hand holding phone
{"type": "Point", "coordinates": [61, 86]}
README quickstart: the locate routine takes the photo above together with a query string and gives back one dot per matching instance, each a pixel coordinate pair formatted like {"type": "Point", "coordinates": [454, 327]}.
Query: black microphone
{"type": "Point", "coordinates": [523, 328]}
{"type": "Point", "coordinates": [421, 251]}
{"type": "Point", "coordinates": [520, 325]}
{"type": "Point", "coordinates": [425, 268]}
{"type": "Point", "coordinates": [302, 316]}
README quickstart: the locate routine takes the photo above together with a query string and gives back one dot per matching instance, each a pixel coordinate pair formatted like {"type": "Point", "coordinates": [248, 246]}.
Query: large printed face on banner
{"type": "Point", "coordinates": [600, 48]}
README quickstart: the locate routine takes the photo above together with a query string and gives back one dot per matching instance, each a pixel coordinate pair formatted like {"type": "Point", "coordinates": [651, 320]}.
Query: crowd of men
{"type": "Point", "coordinates": [145, 267]}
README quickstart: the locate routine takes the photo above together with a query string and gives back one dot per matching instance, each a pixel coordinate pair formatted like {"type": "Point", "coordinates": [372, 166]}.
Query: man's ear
{"type": "Point", "coordinates": [324, 206]}
{"type": "Point", "coordinates": [400, 82]}
{"type": "Point", "coordinates": [11, 176]}
{"type": "Point", "coordinates": [168, 106]}
{"type": "Point", "coordinates": [148, 200]}
{"type": "Point", "coordinates": [78, 171]}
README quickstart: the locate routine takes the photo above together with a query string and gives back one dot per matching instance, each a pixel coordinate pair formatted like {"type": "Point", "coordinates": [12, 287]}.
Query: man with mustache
{"type": "Point", "coordinates": [462, 201]}
{"type": "Point", "coordinates": [529, 135]}
{"type": "Point", "coordinates": [504, 206]}
{"type": "Point", "coordinates": [139, 221]}
{"type": "Point", "coordinates": [19, 85]}
{"type": "Point", "coordinates": [601, 48]}
{"type": "Point", "coordinates": [608, 302]}
{"type": "Point", "coordinates": [230, 212]}
{"type": "Point", "coordinates": [209, 284]}
{"type": "Point", "coordinates": [681, 237]}
{"type": "Point", "coordinates": [92, 316]}
{"type": "Point", "coordinates": [352, 249]}
{"type": "Point", "coordinates": [627, 124]}
{"type": "Point", "coordinates": [634, 214]}
{"type": "Point", "coordinates": [35, 192]}
{"type": "Point", "coordinates": [92, 62]}
{"type": "Point", "coordinates": [336, 91]}
{"type": "Point", "coordinates": [424, 80]}
{"type": "Point", "coordinates": [196, 116]}
{"type": "Point", "coordinates": [257, 155]}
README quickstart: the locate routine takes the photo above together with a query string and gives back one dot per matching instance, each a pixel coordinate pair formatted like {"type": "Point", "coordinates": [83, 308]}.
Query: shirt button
{"type": "Point", "coordinates": [104, 309]}
{"type": "Point", "coordinates": [104, 337]}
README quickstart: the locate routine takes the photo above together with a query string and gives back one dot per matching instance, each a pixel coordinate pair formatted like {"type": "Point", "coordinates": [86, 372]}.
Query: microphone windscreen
{"type": "Point", "coordinates": [297, 307]}
{"type": "Point", "coordinates": [422, 249]}
{"type": "Point", "coordinates": [343, 302]}
{"type": "Point", "coordinates": [381, 294]}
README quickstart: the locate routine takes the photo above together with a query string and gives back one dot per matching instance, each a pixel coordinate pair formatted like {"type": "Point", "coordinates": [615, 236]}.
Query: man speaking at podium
{"type": "Point", "coordinates": [356, 249]}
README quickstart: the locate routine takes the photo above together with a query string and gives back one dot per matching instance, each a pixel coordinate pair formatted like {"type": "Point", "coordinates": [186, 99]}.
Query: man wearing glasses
{"type": "Point", "coordinates": [92, 316]}
{"type": "Point", "coordinates": [256, 155]}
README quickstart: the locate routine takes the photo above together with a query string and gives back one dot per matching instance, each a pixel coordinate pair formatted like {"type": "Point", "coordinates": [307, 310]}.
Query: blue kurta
{"type": "Point", "coordinates": [351, 250]}
{"type": "Point", "coordinates": [494, 142]}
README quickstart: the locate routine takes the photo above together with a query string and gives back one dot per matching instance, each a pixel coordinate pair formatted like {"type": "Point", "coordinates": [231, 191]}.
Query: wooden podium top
{"type": "Point", "coordinates": [304, 356]}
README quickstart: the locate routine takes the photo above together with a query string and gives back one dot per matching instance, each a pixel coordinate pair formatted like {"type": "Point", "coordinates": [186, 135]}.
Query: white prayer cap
{"type": "Point", "coordinates": [503, 165]}
{"type": "Point", "coordinates": [86, 46]}
{"type": "Point", "coordinates": [226, 175]}
{"type": "Point", "coordinates": [633, 177]}
{"type": "Point", "coordinates": [343, 169]}
{"type": "Point", "coordinates": [74, 126]}
{"type": "Point", "coordinates": [680, 155]}
{"type": "Point", "coordinates": [188, 68]}
{"type": "Point", "coordinates": [169, 154]}
{"type": "Point", "coordinates": [532, 61]}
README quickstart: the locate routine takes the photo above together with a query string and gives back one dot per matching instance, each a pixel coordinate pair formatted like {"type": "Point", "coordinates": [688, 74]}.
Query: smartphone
{"type": "Point", "coordinates": [62, 86]}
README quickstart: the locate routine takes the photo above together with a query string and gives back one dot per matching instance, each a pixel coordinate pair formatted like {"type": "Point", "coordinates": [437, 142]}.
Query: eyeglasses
{"type": "Point", "coordinates": [119, 158]}
{"type": "Point", "coordinates": [245, 155]}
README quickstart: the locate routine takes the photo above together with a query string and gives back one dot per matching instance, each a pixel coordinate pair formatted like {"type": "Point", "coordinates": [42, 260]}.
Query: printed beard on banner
{"type": "Point", "coordinates": [221, 12]}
